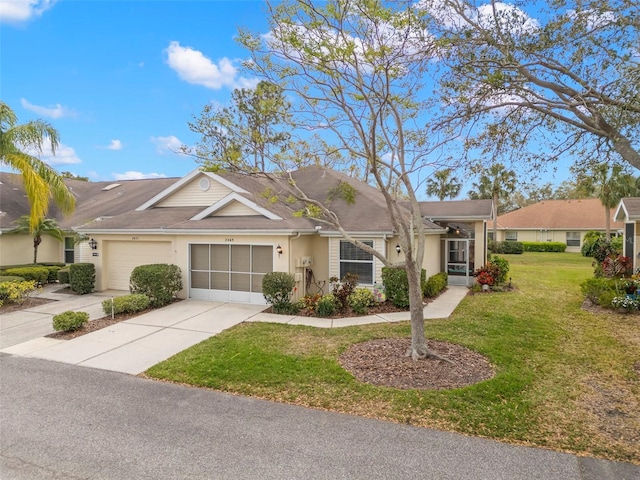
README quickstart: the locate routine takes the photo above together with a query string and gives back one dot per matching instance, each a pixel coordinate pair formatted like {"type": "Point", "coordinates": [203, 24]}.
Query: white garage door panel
{"type": "Point", "coordinates": [123, 257]}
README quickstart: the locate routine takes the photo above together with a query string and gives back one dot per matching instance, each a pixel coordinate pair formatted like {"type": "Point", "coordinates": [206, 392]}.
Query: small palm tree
{"type": "Point", "coordinates": [495, 183]}
{"type": "Point", "coordinates": [47, 226]}
{"type": "Point", "coordinates": [41, 182]}
{"type": "Point", "coordinates": [610, 184]}
{"type": "Point", "coordinates": [443, 185]}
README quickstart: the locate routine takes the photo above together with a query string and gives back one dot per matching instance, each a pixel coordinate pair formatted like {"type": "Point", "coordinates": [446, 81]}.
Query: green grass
{"type": "Point", "coordinates": [564, 376]}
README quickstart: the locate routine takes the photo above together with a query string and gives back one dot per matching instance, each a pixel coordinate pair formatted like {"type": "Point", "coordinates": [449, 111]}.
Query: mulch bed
{"type": "Point", "coordinates": [27, 304]}
{"type": "Point", "coordinates": [383, 362]}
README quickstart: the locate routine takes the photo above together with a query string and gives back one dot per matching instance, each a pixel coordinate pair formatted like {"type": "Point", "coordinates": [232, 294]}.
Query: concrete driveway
{"type": "Point", "coordinates": [132, 346]}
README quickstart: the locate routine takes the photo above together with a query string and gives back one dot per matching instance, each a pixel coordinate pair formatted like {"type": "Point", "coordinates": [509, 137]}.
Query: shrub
{"type": "Point", "coordinates": [327, 306]}
{"type": "Point", "coordinates": [396, 285]}
{"type": "Point", "coordinates": [544, 246]}
{"type": "Point", "coordinates": [16, 291]}
{"type": "Point", "coordinates": [435, 284]}
{"type": "Point", "coordinates": [360, 300]}
{"type": "Point", "coordinates": [590, 243]}
{"type": "Point", "coordinates": [277, 288]}
{"type": "Point", "coordinates": [310, 301]}
{"type": "Point", "coordinates": [135, 302]}
{"type": "Point", "coordinates": [502, 271]}
{"type": "Point", "coordinates": [617, 266]}
{"type": "Point", "coordinates": [63, 275]}
{"type": "Point", "coordinates": [488, 274]}
{"type": "Point", "coordinates": [82, 277]}
{"type": "Point", "coordinates": [69, 321]}
{"type": "Point", "coordinates": [160, 282]}
{"type": "Point", "coordinates": [506, 247]}
{"type": "Point", "coordinates": [595, 288]}
{"type": "Point", "coordinates": [342, 290]}
{"type": "Point", "coordinates": [36, 274]}
{"type": "Point", "coordinates": [10, 278]}
{"type": "Point", "coordinates": [53, 273]}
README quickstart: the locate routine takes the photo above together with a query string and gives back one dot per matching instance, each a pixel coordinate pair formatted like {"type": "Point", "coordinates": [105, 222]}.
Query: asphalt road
{"type": "Point", "coordinates": [60, 421]}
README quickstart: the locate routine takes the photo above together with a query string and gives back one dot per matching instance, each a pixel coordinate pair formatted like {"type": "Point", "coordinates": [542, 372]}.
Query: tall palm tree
{"type": "Point", "coordinates": [46, 226]}
{"type": "Point", "coordinates": [41, 182]}
{"type": "Point", "coordinates": [443, 185]}
{"type": "Point", "coordinates": [495, 182]}
{"type": "Point", "coordinates": [610, 185]}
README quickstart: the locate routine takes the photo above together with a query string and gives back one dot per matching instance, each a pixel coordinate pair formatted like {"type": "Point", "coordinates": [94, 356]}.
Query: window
{"type": "Point", "coordinates": [356, 261]}
{"type": "Point", "coordinates": [511, 236]}
{"type": "Point", "coordinates": [69, 250]}
{"type": "Point", "coordinates": [573, 239]}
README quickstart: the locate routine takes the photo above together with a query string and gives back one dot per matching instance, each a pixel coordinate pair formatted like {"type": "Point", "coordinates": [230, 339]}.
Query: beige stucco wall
{"type": "Point", "coordinates": [17, 249]}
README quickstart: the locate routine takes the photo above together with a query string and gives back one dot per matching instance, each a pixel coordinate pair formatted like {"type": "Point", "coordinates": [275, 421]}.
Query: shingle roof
{"type": "Point", "coordinates": [92, 200]}
{"type": "Point", "coordinates": [628, 209]}
{"type": "Point", "coordinates": [458, 210]}
{"type": "Point", "coordinates": [580, 214]}
{"type": "Point", "coordinates": [100, 208]}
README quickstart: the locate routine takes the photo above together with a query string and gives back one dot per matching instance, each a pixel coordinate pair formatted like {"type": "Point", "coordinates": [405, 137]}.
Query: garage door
{"type": "Point", "coordinates": [229, 273]}
{"type": "Point", "coordinates": [123, 257]}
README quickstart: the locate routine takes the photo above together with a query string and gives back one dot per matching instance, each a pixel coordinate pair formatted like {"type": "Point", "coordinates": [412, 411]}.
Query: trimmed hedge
{"type": "Point", "coordinates": [63, 275]}
{"type": "Point", "coordinates": [10, 278]}
{"type": "Point", "coordinates": [136, 302]}
{"type": "Point", "coordinates": [161, 282]}
{"type": "Point", "coordinates": [36, 274]}
{"type": "Point", "coordinates": [82, 277]}
{"type": "Point", "coordinates": [396, 285]}
{"type": "Point", "coordinates": [69, 321]}
{"type": "Point", "coordinates": [544, 246]}
{"type": "Point", "coordinates": [435, 284]}
{"type": "Point", "coordinates": [516, 248]}
{"type": "Point", "coordinates": [53, 273]}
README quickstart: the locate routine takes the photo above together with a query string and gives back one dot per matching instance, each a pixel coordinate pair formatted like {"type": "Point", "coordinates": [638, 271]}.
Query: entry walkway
{"type": "Point", "coordinates": [132, 346]}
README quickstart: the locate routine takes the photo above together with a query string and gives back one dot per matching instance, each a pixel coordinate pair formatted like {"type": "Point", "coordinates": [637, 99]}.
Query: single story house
{"type": "Point", "coordinates": [225, 231]}
{"type": "Point", "coordinates": [628, 212]}
{"type": "Point", "coordinates": [565, 221]}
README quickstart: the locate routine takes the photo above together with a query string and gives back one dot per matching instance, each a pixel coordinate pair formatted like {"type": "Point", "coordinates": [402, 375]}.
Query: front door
{"type": "Point", "coordinates": [459, 263]}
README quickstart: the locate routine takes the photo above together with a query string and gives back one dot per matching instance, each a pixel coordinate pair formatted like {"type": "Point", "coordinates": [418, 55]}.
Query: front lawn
{"type": "Point", "coordinates": [565, 378]}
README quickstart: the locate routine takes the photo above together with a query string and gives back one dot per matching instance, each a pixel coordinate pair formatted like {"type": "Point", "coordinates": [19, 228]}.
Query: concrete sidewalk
{"type": "Point", "coordinates": [134, 345]}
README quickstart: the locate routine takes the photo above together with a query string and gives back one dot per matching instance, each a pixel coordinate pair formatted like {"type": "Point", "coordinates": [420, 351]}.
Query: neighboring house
{"type": "Point", "coordinates": [628, 212]}
{"type": "Point", "coordinates": [225, 231]}
{"type": "Point", "coordinates": [565, 221]}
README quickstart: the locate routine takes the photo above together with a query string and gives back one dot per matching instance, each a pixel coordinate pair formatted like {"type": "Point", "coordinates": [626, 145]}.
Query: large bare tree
{"type": "Point", "coordinates": [543, 79]}
{"type": "Point", "coordinates": [358, 72]}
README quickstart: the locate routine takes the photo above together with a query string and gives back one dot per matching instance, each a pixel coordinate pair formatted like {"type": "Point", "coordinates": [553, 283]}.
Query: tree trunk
{"type": "Point", "coordinates": [607, 222]}
{"type": "Point", "coordinates": [419, 347]}
{"type": "Point", "coordinates": [495, 218]}
{"type": "Point", "coordinates": [36, 242]}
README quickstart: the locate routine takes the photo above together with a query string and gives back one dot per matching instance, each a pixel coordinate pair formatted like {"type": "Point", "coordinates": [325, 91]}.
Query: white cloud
{"type": "Point", "coordinates": [193, 67]}
{"type": "Point", "coordinates": [167, 145]}
{"type": "Point", "coordinates": [55, 111]}
{"type": "Point", "coordinates": [114, 145]}
{"type": "Point", "coordinates": [65, 155]}
{"type": "Point", "coordinates": [131, 175]}
{"type": "Point", "coordinates": [16, 11]}
{"type": "Point", "coordinates": [455, 15]}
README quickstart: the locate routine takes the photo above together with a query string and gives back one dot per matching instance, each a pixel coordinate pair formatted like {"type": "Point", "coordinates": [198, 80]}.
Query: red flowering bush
{"type": "Point", "coordinates": [485, 278]}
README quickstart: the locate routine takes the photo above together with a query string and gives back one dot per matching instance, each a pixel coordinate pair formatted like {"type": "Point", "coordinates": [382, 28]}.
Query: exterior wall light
{"type": "Point", "coordinates": [279, 250]}
{"type": "Point", "coordinates": [93, 244]}
{"type": "Point", "coordinates": [398, 249]}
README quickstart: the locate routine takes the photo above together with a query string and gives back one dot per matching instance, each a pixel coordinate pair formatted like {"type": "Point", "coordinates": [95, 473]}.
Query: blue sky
{"type": "Point", "coordinates": [120, 80]}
